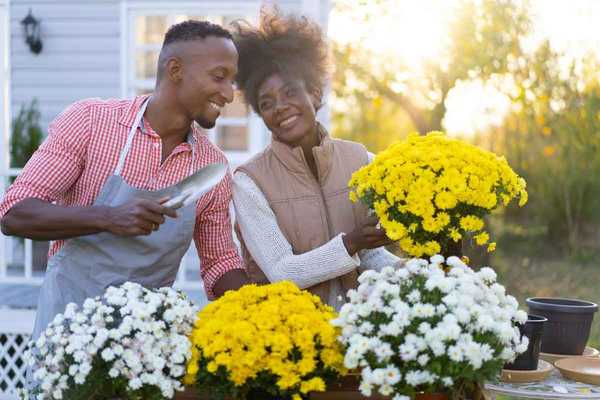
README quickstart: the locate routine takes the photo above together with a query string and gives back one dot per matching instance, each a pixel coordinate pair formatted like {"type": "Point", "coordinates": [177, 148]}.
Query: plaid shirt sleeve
{"type": "Point", "coordinates": [214, 238]}
{"type": "Point", "coordinates": [57, 163]}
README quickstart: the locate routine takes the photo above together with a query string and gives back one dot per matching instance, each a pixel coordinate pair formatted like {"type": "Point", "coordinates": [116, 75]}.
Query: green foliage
{"type": "Point", "coordinates": [26, 135]}
{"type": "Point", "coordinates": [552, 136]}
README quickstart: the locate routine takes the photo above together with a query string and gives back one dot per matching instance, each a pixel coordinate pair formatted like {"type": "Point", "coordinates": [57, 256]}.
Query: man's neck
{"type": "Point", "coordinates": [166, 119]}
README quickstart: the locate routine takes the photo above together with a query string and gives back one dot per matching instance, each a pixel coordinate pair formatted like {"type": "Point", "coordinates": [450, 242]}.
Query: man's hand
{"type": "Point", "coordinates": [137, 217]}
{"type": "Point", "coordinates": [367, 236]}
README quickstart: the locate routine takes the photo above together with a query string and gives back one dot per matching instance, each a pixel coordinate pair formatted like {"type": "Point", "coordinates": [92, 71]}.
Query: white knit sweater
{"type": "Point", "coordinates": [273, 253]}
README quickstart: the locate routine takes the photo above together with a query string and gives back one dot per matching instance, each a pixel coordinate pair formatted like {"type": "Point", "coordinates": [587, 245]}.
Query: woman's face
{"type": "Point", "coordinates": [288, 109]}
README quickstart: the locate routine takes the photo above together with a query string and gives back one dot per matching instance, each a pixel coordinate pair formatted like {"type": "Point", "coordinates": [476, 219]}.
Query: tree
{"type": "Point", "coordinates": [482, 36]}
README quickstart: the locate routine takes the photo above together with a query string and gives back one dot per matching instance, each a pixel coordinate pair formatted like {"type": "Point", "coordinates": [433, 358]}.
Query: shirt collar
{"type": "Point", "coordinates": [129, 117]}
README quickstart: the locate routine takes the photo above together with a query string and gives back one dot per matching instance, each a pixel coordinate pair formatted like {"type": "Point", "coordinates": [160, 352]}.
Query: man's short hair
{"type": "Point", "coordinates": [189, 30]}
{"type": "Point", "coordinates": [192, 29]}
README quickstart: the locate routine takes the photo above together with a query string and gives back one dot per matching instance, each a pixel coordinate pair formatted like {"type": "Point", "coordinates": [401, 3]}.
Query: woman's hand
{"type": "Point", "coordinates": [367, 236]}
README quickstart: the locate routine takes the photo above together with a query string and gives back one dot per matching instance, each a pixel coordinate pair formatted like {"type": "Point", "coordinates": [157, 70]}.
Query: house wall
{"type": "Point", "coordinates": [80, 57]}
{"type": "Point", "coordinates": [81, 54]}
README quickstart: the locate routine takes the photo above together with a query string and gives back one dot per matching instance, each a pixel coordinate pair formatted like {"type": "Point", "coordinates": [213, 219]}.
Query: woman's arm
{"type": "Point", "coordinates": [378, 258]}
{"type": "Point", "coordinates": [271, 250]}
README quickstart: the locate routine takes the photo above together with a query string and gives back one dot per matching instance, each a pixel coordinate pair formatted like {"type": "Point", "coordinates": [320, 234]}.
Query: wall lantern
{"type": "Point", "coordinates": [31, 25]}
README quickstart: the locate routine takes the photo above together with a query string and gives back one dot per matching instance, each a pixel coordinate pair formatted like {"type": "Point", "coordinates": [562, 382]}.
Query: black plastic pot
{"type": "Point", "coordinates": [533, 329]}
{"type": "Point", "coordinates": [568, 326]}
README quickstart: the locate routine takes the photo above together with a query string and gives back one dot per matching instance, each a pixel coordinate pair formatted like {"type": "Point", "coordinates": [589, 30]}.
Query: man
{"type": "Point", "coordinates": [93, 187]}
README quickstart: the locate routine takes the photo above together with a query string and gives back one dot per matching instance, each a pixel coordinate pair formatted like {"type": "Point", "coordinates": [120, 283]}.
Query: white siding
{"type": "Point", "coordinates": [80, 57]}
{"type": "Point", "coordinates": [81, 53]}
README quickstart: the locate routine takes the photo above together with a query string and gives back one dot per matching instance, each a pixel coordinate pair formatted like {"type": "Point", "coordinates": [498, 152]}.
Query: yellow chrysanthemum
{"type": "Point", "coordinates": [429, 188]}
{"type": "Point", "coordinates": [471, 223]}
{"type": "Point", "coordinates": [277, 329]}
{"type": "Point", "coordinates": [482, 238]}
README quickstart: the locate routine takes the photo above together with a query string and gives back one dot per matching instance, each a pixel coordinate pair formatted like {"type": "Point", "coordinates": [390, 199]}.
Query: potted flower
{"type": "Point", "coordinates": [430, 191]}
{"type": "Point", "coordinates": [264, 342]}
{"type": "Point", "coordinates": [131, 343]}
{"type": "Point", "coordinates": [430, 329]}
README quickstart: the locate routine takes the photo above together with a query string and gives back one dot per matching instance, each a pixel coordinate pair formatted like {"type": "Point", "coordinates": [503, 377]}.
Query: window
{"type": "Point", "coordinates": [238, 131]}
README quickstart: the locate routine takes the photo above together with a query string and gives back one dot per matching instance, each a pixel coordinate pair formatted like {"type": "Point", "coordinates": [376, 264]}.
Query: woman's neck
{"type": "Point", "coordinates": [312, 139]}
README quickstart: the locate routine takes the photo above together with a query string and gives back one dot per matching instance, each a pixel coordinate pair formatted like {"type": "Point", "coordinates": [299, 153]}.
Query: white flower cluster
{"type": "Point", "coordinates": [130, 332]}
{"type": "Point", "coordinates": [420, 327]}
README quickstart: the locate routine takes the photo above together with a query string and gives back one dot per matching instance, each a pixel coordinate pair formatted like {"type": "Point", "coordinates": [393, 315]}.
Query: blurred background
{"type": "Point", "coordinates": [520, 78]}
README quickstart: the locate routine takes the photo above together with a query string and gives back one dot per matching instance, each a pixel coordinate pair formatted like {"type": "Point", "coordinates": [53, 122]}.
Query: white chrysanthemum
{"type": "Point", "coordinates": [125, 328]}
{"type": "Point", "coordinates": [422, 315]}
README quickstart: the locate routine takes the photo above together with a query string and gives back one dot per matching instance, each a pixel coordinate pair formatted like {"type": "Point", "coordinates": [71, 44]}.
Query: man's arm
{"type": "Point", "coordinates": [39, 220]}
{"type": "Point", "coordinates": [26, 208]}
{"type": "Point", "coordinates": [222, 268]}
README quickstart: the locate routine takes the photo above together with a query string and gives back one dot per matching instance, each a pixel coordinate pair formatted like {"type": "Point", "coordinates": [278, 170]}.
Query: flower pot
{"type": "Point", "coordinates": [533, 329]}
{"type": "Point", "coordinates": [568, 326]}
{"type": "Point", "coordinates": [432, 396]}
{"type": "Point", "coordinates": [334, 393]}
{"type": "Point", "coordinates": [450, 247]}
{"type": "Point", "coordinates": [258, 394]}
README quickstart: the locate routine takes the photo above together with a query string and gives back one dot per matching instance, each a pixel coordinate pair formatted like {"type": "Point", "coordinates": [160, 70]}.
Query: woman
{"type": "Point", "coordinates": [295, 220]}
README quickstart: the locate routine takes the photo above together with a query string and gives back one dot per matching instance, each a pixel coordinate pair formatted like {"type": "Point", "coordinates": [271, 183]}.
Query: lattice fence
{"type": "Point", "coordinates": [12, 366]}
{"type": "Point", "coordinates": [15, 330]}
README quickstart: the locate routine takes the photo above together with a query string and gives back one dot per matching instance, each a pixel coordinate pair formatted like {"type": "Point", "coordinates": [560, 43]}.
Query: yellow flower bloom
{"type": "Point", "coordinates": [353, 197]}
{"type": "Point", "coordinates": [427, 187]}
{"type": "Point", "coordinates": [276, 329]}
{"type": "Point", "coordinates": [471, 223]}
{"type": "Point", "coordinates": [445, 200]}
{"type": "Point", "coordinates": [482, 238]}
{"type": "Point", "coordinates": [455, 234]}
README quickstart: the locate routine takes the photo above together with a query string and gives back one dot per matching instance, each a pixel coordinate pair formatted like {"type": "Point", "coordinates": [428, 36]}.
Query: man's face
{"type": "Point", "coordinates": [287, 108]}
{"type": "Point", "coordinates": [208, 69]}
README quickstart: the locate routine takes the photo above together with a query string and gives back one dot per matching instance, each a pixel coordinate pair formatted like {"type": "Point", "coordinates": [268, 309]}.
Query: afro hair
{"type": "Point", "coordinates": [290, 45]}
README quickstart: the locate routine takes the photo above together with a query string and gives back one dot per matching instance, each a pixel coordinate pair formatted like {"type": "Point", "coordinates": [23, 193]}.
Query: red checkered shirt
{"type": "Point", "coordinates": [81, 152]}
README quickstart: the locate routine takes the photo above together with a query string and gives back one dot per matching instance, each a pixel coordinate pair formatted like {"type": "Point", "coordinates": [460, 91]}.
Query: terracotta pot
{"type": "Point", "coordinates": [432, 396]}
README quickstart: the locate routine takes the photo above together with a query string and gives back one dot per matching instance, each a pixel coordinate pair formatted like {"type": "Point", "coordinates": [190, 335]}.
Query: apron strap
{"type": "Point", "coordinates": [137, 123]}
{"type": "Point", "coordinates": [193, 144]}
{"type": "Point", "coordinates": [134, 126]}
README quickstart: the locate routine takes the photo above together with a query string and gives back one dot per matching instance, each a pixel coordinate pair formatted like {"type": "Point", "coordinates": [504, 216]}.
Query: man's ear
{"type": "Point", "coordinates": [174, 69]}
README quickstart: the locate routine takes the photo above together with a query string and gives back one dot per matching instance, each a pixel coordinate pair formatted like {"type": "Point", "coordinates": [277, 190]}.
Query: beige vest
{"type": "Point", "coordinates": [309, 211]}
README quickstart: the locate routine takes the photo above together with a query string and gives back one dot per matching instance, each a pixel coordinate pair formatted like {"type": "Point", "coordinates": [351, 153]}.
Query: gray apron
{"type": "Point", "coordinates": [85, 266]}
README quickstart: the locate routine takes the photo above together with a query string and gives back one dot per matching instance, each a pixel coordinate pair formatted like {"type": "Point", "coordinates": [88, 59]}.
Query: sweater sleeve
{"type": "Point", "coordinates": [378, 258]}
{"type": "Point", "coordinates": [271, 250]}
